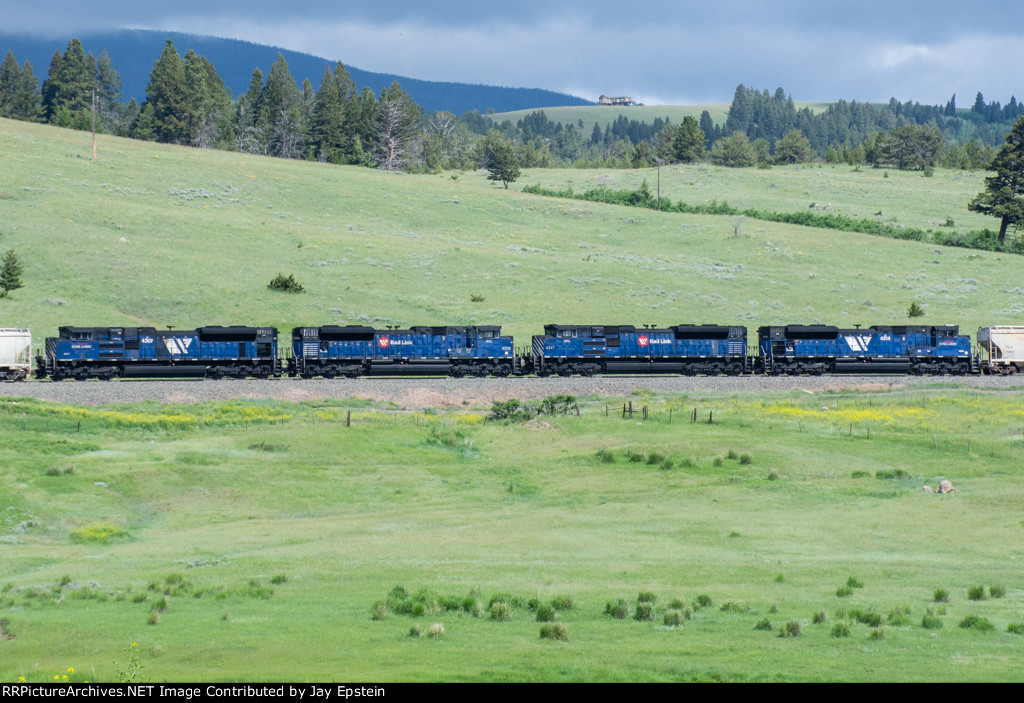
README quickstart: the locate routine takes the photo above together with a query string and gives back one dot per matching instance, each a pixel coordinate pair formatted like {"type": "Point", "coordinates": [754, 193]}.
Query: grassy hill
{"type": "Point", "coordinates": [606, 114]}
{"type": "Point", "coordinates": [160, 235]}
{"type": "Point", "coordinates": [266, 540]}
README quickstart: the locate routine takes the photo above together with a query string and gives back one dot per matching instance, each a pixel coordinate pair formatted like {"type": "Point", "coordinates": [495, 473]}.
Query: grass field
{"type": "Point", "coordinates": [259, 540]}
{"type": "Point", "coordinates": [268, 541]}
{"type": "Point", "coordinates": [162, 235]}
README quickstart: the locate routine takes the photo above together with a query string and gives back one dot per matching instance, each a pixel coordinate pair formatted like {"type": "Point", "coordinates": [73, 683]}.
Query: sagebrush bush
{"type": "Point", "coordinates": [285, 284]}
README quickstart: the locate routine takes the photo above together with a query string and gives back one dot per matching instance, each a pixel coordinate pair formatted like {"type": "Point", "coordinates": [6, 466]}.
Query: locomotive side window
{"type": "Point", "coordinates": [566, 333]}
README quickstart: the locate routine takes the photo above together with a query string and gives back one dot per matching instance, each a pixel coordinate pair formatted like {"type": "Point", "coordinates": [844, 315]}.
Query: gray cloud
{"type": "Point", "coordinates": [656, 51]}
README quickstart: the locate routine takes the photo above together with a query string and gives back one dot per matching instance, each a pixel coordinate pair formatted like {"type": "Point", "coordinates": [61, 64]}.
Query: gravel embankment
{"type": "Point", "coordinates": [454, 393]}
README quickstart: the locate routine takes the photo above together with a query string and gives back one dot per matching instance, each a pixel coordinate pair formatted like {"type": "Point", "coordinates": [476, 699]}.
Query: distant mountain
{"type": "Point", "coordinates": [134, 52]}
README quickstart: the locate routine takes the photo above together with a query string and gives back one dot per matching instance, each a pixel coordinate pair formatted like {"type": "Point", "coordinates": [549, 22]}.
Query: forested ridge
{"type": "Point", "coordinates": [337, 120]}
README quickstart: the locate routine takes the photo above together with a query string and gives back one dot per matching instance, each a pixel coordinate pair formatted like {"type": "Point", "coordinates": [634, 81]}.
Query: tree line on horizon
{"type": "Point", "coordinates": [187, 103]}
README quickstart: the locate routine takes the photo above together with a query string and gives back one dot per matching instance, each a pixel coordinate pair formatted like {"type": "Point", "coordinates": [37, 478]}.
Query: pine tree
{"type": "Point", "coordinates": [1003, 196]}
{"type": "Point", "coordinates": [166, 108]}
{"type": "Point", "coordinates": [688, 144]}
{"type": "Point", "coordinates": [67, 92]}
{"type": "Point", "coordinates": [109, 108]}
{"type": "Point", "coordinates": [10, 78]}
{"type": "Point", "coordinates": [11, 270]}
{"type": "Point", "coordinates": [502, 164]}
{"type": "Point", "coordinates": [279, 112]}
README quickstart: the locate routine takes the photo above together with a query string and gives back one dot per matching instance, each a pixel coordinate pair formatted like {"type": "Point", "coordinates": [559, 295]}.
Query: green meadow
{"type": "Point", "coordinates": [159, 235]}
{"type": "Point", "coordinates": [265, 540]}
{"type": "Point", "coordinates": [273, 541]}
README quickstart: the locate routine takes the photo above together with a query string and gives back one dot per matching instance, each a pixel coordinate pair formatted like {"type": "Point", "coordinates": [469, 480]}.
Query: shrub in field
{"type": "Point", "coordinates": [379, 610]}
{"type": "Point", "coordinates": [501, 611]}
{"type": "Point", "coordinates": [563, 603]}
{"type": "Point", "coordinates": [860, 474]}
{"type": "Point", "coordinates": [941, 595]}
{"type": "Point", "coordinates": [676, 604]}
{"type": "Point", "coordinates": [703, 601]}
{"type": "Point", "coordinates": [931, 622]}
{"type": "Point", "coordinates": [673, 618]}
{"type": "Point", "coordinates": [732, 455]}
{"type": "Point", "coordinates": [764, 624]}
{"type": "Point", "coordinates": [976, 622]}
{"type": "Point", "coordinates": [647, 597]}
{"type": "Point", "coordinates": [655, 458]}
{"type": "Point", "coordinates": [618, 609]}
{"type": "Point", "coordinates": [840, 629]}
{"type": "Point", "coordinates": [278, 579]}
{"type": "Point", "coordinates": [545, 613]}
{"type": "Point", "coordinates": [437, 630]}
{"type": "Point", "coordinates": [844, 591]}
{"type": "Point", "coordinates": [976, 593]}
{"type": "Point", "coordinates": [854, 582]}
{"type": "Point", "coordinates": [635, 456]}
{"type": "Point", "coordinates": [607, 456]}
{"type": "Point", "coordinates": [819, 617]}
{"type": "Point", "coordinates": [1015, 628]}
{"type": "Point", "coordinates": [877, 634]}
{"type": "Point", "coordinates": [554, 631]}
{"type": "Point", "coordinates": [900, 615]}
{"type": "Point", "coordinates": [746, 459]}
{"type": "Point", "coordinates": [866, 617]}
{"type": "Point", "coordinates": [732, 607]}
{"type": "Point", "coordinates": [644, 611]}
{"type": "Point", "coordinates": [997, 591]}
{"type": "Point", "coordinates": [285, 284]}
{"type": "Point", "coordinates": [414, 631]}
{"type": "Point", "coordinates": [790, 629]}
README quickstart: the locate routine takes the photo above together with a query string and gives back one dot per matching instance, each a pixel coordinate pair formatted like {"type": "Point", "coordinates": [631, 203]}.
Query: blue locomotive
{"type": "Point", "coordinates": [111, 352]}
{"type": "Point", "coordinates": [355, 350]}
{"type": "Point", "coordinates": [819, 349]}
{"type": "Point", "coordinates": [682, 349]}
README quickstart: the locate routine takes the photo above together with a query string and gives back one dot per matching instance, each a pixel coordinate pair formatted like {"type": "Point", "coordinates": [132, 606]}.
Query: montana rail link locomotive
{"type": "Point", "coordinates": [350, 351]}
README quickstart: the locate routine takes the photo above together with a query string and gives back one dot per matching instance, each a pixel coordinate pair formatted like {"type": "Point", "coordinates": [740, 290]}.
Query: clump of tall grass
{"type": "Point", "coordinates": [931, 622]}
{"type": "Point", "coordinates": [437, 630]}
{"type": "Point", "coordinates": [546, 613]}
{"type": "Point", "coordinates": [379, 611]}
{"type": "Point", "coordinates": [976, 593]}
{"type": "Point", "coordinates": [790, 629]}
{"type": "Point", "coordinates": [673, 618]}
{"type": "Point", "coordinates": [501, 611]}
{"type": "Point", "coordinates": [866, 617]}
{"type": "Point", "coordinates": [617, 608]}
{"type": "Point", "coordinates": [554, 631]}
{"type": "Point", "coordinates": [647, 597]}
{"type": "Point", "coordinates": [941, 595]}
{"type": "Point", "coordinates": [878, 633]}
{"type": "Point", "coordinates": [1015, 628]}
{"type": "Point", "coordinates": [702, 601]}
{"type": "Point", "coordinates": [819, 617]}
{"type": "Point", "coordinates": [900, 615]}
{"type": "Point", "coordinates": [996, 591]}
{"type": "Point", "coordinates": [563, 603]}
{"type": "Point", "coordinates": [764, 624]}
{"type": "Point", "coordinates": [840, 629]}
{"type": "Point", "coordinates": [976, 622]}
{"type": "Point", "coordinates": [644, 611]}
{"type": "Point", "coordinates": [606, 456]}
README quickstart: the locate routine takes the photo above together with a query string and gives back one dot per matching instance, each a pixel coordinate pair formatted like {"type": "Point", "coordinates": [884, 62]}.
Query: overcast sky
{"type": "Point", "coordinates": [657, 51]}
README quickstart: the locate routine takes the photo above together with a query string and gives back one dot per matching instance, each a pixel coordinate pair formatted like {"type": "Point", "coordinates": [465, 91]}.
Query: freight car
{"type": "Point", "coordinates": [355, 350]}
{"type": "Point", "coordinates": [819, 349]}
{"type": "Point", "coordinates": [111, 352]}
{"type": "Point", "coordinates": [683, 349]}
{"type": "Point", "coordinates": [1002, 349]}
{"type": "Point", "coordinates": [15, 354]}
